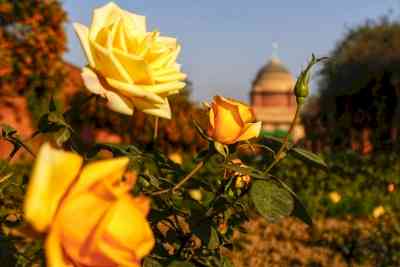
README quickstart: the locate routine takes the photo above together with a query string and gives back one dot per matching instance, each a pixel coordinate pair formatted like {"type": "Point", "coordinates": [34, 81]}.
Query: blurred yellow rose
{"type": "Point", "coordinates": [176, 157]}
{"type": "Point", "coordinates": [232, 121]}
{"type": "Point", "coordinates": [335, 197]}
{"type": "Point", "coordinates": [127, 65]}
{"type": "Point", "coordinates": [90, 220]}
{"type": "Point", "coordinates": [378, 212]}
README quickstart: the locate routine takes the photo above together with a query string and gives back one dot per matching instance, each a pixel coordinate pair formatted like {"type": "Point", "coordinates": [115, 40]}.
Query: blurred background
{"type": "Point", "coordinates": [252, 51]}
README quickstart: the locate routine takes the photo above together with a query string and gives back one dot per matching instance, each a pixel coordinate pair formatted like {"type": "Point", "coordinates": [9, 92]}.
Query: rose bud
{"type": "Point", "coordinates": [232, 121]}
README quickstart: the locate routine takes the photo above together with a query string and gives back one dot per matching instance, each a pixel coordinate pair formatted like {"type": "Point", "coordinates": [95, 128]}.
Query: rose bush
{"type": "Point", "coordinates": [94, 216]}
{"type": "Point", "coordinates": [91, 220]}
{"type": "Point", "coordinates": [127, 65]}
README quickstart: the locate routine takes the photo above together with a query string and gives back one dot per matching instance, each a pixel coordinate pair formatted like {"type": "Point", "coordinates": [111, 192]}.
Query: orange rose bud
{"type": "Point", "coordinates": [232, 121]}
{"type": "Point", "coordinates": [91, 220]}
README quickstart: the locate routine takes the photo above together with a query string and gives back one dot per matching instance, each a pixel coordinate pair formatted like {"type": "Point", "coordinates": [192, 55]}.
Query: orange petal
{"type": "Point", "coordinates": [251, 130]}
{"type": "Point", "coordinates": [53, 173]}
{"type": "Point", "coordinates": [78, 223]}
{"type": "Point", "coordinates": [127, 236]}
{"type": "Point", "coordinates": [55, 255]}
{"type": "Point", "coordinates": [228, 124]}
{"type": "Point", "coordinates": [104, 177]}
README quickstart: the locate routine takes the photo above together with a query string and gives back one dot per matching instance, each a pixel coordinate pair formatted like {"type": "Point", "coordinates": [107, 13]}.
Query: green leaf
{"type": "Point", "coordinates": [226, 262]}
{"type": "Point", "coordinates": [221, 148]}
{"type": "Point", "coordinates": [201, 131]}
{"type": "Point", "coordinates": [308, 157]}
{"type": "Point", "coordinates": [58, 118]}
{"type": "Point", "coordinates": [7, 130]}
{"type": "Point", "coordinates": [52, 104]}
{"type": "Point", "coordinates": [149, 262]}
{"type": "Point", "coordinates": [271, 200]}
{"type": "Point", "coordinates": [181, 264]}
{"type": "Point", "coordinates": [299, 210]}
{"type": "Point", "coordinates": [62, 136]}
{"type": "Point", "coordinates": [213, 242]}
{"type": "Point", "coordinates": [272, 142]}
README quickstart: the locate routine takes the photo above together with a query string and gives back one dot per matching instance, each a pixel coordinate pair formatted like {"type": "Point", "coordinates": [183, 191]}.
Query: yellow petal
{"type": "Point", "coordinates": [128, 230]}
{"type": "Point", "coordinates": [92, 82]}
{"type": "Point", "coordinates": [251, 130]}
{"type": "Point", "coordinates": [159, 110]}
{"type": "Point", "coordinates": [83, 35]}
{"type": "Point", "coordinates": [164, 88]}
{"type": "Point", "coordinates": [103, 17]}
{"type": "Point", "coordinates": [246, 112]}
{"type": "Point", "coordinates": [170, 77]}
{"type": "Point", "coordinates": [120, 39]}
{"type": "Point", "coordinates": [136, 67]}
{"type": "Point", "coordinates": [55, 255]}
{"type": "Point", "coordinates": [119, 103]}
{"type": "Point", "coordinates": [134, 22]}
{"type": "Point", "coordinates": [212, 117]}
{"type": "Point", "coordinates": [107, 64]}
{"type": "Point", "coordinates": [106, 172]}
{"type": "Point", "coordinates": [115, 102]}
{"type": "Point", "coordinates": [53, 173]}
{"type": "Point", "coordinates": [132, 90]}
{"type": "Point", "coordinates": [166, 59]}
{"type": "Point", "coordinates": [167, 70]}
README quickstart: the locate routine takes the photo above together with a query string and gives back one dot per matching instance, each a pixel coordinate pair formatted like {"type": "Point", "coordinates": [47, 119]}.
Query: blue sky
{"type": "Point", "coordinates": [225, 42]}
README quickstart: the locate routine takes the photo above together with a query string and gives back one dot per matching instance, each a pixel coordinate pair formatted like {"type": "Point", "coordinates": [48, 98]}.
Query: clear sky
{"type": "Point", "coordinates": [225, 42]}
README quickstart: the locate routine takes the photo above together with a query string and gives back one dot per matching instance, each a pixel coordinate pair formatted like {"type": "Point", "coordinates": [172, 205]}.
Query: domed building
{"type": "Point", "coordinates": [273, 100]}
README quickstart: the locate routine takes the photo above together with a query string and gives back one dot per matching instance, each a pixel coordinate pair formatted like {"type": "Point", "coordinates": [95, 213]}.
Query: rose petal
{"type": "Point", "coordinates": [127, 230]}
{"type": "Point", "coordinates": [134, 22]}
{"type": "Point", "coordinates": [92, 82]}
{"type": "Point", "coordinates": [108, 173]}
{"type": "Point", "coordinates": [228, 124]}
{"type": "Point", "coordinates": [55, 255]}
{"type": "Point", "coordinates": [159, 110]}
{"type": "Point", "coordinates": [83, 35]}
{"type": "Point", "coordinates": [251, 130]}
{"type": "Point", "coordinates": [170, 77]}
{"type": "Point", "coordinates": [168, 88]}
{"type": "Point", "coordinates": [136, 67]}
{"type": "Point", "coordinates": [103, 17]}
{"type": "Point", "coordinates": [119, 103]}
{"type": "Point", "coordinates": [79, 228]}
{"type": "Point", "coordinates": [107, 64]}
{"type": "Point", "coordinates": [53, 173]}
{"type": "Point", "coordinates": [246, 112]}
{"type": "Point", "coordinates": [131, 90]}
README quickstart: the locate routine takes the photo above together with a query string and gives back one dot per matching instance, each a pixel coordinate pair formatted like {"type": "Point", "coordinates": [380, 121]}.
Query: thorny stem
{"type": "Point", "coordinates": [280, 154]}
{"type": "Point", "coordinates": [155, 134]}
{"type": "Point", "coordinates": [184, 180]}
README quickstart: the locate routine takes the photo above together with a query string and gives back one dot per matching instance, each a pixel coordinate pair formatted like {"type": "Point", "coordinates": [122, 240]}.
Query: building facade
{"type": "Point", "coordinates": [273, 100]}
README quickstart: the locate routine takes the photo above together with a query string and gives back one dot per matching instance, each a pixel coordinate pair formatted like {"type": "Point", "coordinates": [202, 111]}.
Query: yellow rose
{"type": "Point", "coordinates": [232, 121]}
{"type": "Point", "coordinates": [90, 221]}
{"type": "Point", "coordinates": [127, 65]}
{"type": "Point", "coordinates": [335, 197]}
{"type": "Point", "coordinates": [378, 211]}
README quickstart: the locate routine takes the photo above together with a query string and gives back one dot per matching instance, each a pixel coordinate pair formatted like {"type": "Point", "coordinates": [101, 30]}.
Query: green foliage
{"type": "Point", "coordinates": [362, 182]}
{"type": "Point", "coordinates": [359, 84]}
{"type": "Point", "coordinates": [271, 200]}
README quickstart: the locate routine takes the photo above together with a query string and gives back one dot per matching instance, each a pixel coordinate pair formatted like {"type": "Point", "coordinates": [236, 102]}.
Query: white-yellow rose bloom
{"type": "Point", "coordinates": [127, 65]}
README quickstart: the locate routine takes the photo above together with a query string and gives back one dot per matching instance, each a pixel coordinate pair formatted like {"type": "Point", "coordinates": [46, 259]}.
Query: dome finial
{"type": "Point", "coordinates": [275, 47]}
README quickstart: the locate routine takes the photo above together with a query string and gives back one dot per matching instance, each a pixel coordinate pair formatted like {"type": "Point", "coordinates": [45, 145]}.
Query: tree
{"type": "Point", "coordinates": [32, 41]}
{"type": "Point", "coordinates": [360, 84]}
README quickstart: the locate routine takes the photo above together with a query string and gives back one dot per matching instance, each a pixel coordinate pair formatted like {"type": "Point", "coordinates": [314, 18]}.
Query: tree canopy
{"type": "Point", "coordinates": [360, 82]}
